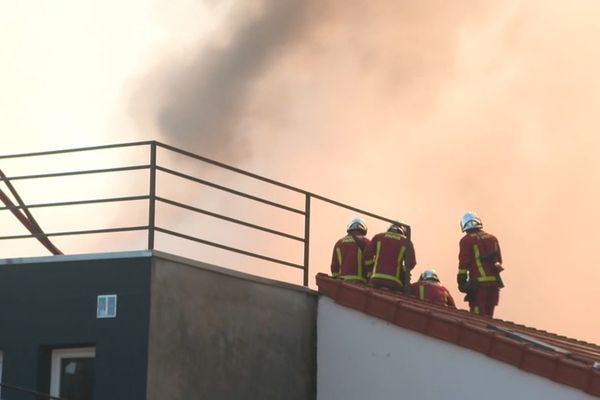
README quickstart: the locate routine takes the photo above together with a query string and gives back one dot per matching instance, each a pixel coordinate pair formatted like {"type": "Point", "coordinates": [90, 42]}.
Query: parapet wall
{"type": "Point", "coordinates": [219, 334]}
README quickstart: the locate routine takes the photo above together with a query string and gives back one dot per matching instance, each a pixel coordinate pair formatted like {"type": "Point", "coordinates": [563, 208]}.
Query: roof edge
{"type": "Point", "coordinates": [451, 326]}
{"type": "Point", "coordinates": [77, 257]}
{"type": "Point", "coordinates": [158, 254]}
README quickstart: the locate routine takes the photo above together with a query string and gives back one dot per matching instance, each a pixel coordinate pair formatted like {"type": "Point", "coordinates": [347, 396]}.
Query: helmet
{"type": "Point", "coordinates": [470, 220]}
{"type": "Point", "coordinates": [357, 224]}
{"type": "Point", "coordinates": [429, 275]}
{"type": "Point", "coordinates": [397, 227]}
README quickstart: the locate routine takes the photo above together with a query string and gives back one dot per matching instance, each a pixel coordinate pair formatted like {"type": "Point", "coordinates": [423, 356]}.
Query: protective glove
{"type": "Point", "coordinates": [463, 286]}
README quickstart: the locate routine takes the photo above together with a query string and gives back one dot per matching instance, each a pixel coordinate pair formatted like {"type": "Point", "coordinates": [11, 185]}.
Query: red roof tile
{"type": "Point", "coordinates": [561, 359]}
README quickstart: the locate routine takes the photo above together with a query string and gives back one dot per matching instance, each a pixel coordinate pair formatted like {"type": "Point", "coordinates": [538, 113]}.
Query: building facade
{"type": "Point", "coordinates": [147, 325]}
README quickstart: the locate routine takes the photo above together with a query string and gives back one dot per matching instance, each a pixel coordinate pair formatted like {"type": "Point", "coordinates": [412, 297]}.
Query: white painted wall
{"type": "Point", "coordinates": [361, 357]}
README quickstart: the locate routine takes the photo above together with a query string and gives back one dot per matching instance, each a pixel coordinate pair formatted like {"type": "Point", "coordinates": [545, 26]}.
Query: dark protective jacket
{"type": "Point", "coordinates": [390, 253]}
{"type": "Point", "coordinates": [432, 291]}
{"type": "Point", "coordinates": [478, 253]}
{"type": "Point", "coordinates": [348, 260]}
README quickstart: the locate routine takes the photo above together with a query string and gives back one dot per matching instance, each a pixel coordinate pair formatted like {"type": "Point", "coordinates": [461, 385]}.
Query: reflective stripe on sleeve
{"type": "Point", "coordinates": [399, 261]}
{"type": "Point", "coordinates": [422, 292]}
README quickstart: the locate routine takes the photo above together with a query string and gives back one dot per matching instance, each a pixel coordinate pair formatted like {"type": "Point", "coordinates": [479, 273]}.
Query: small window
{"type": "Point", "coordinates": [106, 306]}
{"type": "Point", "coordinates": [72, 373]}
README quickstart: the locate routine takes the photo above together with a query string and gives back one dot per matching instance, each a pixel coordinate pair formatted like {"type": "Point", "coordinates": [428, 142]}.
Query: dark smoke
{"type": "Point", "coordinates": [418, 110]}
{"type": "Point", "coordinates": [203, 101]}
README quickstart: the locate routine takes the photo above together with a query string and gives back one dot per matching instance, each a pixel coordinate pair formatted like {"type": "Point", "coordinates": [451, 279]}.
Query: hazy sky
{"type": "Point", "coordinates": [413, 110]}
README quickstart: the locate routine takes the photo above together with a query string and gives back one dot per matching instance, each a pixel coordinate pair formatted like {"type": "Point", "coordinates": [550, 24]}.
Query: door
{"type": "Point", "coordinates": [72, 373]}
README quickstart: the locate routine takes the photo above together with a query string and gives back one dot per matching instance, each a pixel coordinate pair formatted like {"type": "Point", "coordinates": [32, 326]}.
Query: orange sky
{"type": "Point", "coordinates": [413, 110]}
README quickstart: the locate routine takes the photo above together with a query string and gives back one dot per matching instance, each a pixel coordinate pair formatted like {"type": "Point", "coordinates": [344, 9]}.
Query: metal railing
{"type": "Point", "coordinates": [153, 166]}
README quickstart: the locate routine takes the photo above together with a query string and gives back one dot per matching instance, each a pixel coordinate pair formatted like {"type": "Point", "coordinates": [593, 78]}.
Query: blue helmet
{"type": "Point", "coordinates": [470, 220]}
{"type": "Point", "coordinates": [397, 227]}
{"type": "Point", "coordinates": [357, 224]}
{"type": "Point", "coordinates": [429, 275]}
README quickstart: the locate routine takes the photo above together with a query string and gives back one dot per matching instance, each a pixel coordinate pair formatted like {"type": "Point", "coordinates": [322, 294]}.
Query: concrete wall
{"type": "Point", "coordinates": [361, 357]}
{"type": "Point", "coordinates": [218, 334]}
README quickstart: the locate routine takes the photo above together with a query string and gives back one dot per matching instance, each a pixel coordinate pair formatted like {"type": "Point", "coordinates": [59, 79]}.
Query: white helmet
{"type": "Point", "coordinates": [429, 275]}
{"type": "Point", "coordinates": [357, 224]}
{"type": "Point", "coordinates": [470, 220]}
{"type": "Point", "coordinates": [398, 228]}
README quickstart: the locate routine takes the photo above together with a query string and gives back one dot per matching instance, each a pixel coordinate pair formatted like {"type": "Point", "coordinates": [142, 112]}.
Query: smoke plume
{"type": "Point", "coordinates": [202, 98]}
{"type": "Point", "coordinates": [418, 111]}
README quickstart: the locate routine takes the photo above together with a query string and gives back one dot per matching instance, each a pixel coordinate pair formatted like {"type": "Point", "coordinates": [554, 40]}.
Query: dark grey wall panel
{"type": "Point", "coordinates": [46, 305]}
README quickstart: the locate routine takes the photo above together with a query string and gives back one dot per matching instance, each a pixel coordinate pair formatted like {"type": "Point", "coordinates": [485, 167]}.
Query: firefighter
{"type": "Point", "coordinates": [392, 256]}
{"type": "Point", "coordinates": [429, 288]}
{"type": "Point", "coordinates": [348, 261]}
{"type": "Point", "coordinates": [479, 266]}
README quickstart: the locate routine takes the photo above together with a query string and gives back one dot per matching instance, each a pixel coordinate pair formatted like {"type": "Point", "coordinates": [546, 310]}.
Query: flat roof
{"type": "Point", "coordinates": [157, 254]}
{"type": "Point", "coordinates": [76, 257]}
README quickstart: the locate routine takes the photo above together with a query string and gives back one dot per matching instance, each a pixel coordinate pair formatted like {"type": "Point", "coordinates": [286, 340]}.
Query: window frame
{"type": "Point", "coordinates": [56, 358]}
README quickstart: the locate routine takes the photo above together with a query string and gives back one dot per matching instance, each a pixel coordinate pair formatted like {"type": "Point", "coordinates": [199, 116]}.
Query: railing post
{"type": "Point", "coordinates": [306, 237]}
{"type": "Point", "coordinates": [406, 286]}
{"type": "Point", "coordinates": [152, 196]}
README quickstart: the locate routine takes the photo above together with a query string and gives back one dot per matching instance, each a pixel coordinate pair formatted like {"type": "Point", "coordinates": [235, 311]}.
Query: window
{"type": "Point", "coordinates": [72, 373]}
{"type": "Point", "coordinates": [106, 306]}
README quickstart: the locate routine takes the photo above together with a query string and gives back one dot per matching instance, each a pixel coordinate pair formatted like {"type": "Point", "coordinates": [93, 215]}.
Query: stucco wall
{"type": "Point", "coordinates": [216, 334]}
{"type": "Point", "coordinates": [361, 357]}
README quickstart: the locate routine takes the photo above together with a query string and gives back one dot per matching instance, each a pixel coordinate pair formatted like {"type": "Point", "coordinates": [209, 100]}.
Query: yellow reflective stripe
{"type": "Point", "coordinates": [387, 277]}
{"type": "Point", "coordinates": [359, 261]}
{"type": "Point", "coordinates": [335, 274]}
{"type": "Point", "coordinates": [353, 278]}
{"type": "Point", "coordinates": [338, 251]}
{"type": "Point", "coordinates": [422, 292]}
{"type": "Point", "coordinates": [478, 261]}
{"type": "Point", "coordinates": [376, 258]}
{"type": "Point", "coordinates": [475, 309]}
{"type": "Point", "coordinates": [399, 262]}
{"type": "Point", "coordinates": [369, 262]}
{"type": "Point", "coordinates": [486, 279]}
{"type": "Point", "coordinates": [462, 271]}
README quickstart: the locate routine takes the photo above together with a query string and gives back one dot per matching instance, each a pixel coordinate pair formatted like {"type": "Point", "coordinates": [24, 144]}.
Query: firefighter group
{"type": "Point", "coordinates": [388, 258]}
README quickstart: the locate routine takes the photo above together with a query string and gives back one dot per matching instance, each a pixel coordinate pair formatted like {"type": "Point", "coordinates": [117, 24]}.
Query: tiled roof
{"type": "Point", "coordinates": [561, 359]}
